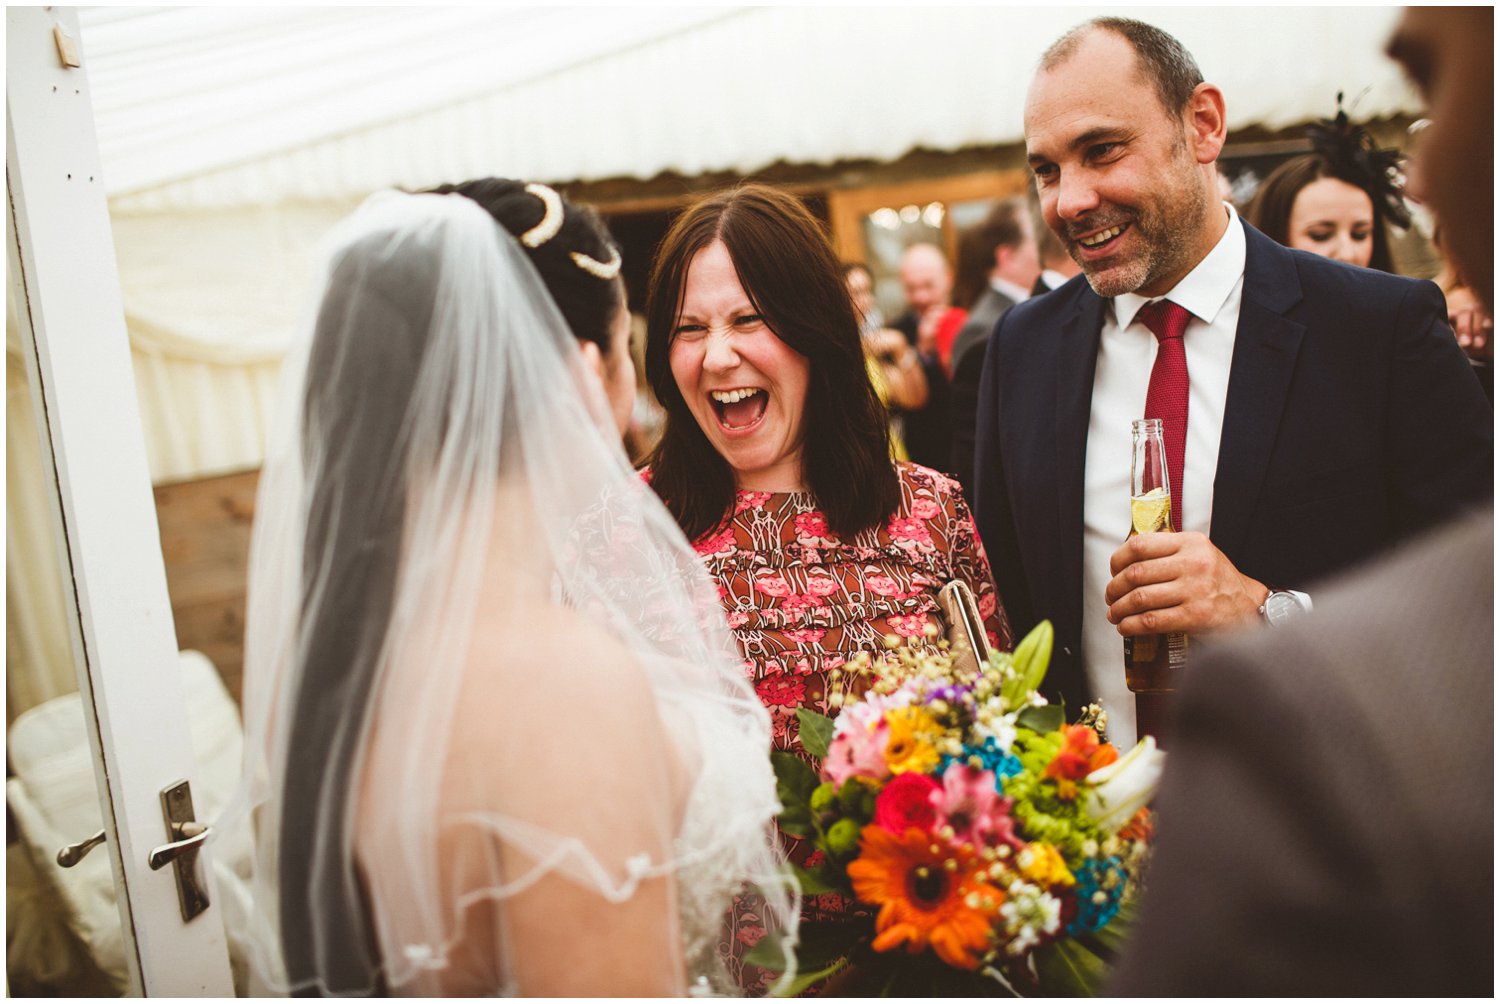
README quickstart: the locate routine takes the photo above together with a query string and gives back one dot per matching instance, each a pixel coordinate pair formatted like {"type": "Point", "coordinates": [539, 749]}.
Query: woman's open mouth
{"type": "Point", "coordinates": [740, 408]}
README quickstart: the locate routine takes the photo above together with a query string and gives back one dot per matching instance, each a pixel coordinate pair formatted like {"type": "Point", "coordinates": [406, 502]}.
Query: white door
{"type": "Point", "coordinates": [62, 270]}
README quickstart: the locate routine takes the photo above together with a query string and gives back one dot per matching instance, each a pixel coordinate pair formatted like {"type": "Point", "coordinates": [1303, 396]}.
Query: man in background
{"type": "Point", "coordinates": [930, 324]}
{"type": "Point", "coordinates": [1057, 266]}
{"type": "Point", "coordinates": [1007, 240]}
{"type": "Point", "coordinates": [1327, 812]}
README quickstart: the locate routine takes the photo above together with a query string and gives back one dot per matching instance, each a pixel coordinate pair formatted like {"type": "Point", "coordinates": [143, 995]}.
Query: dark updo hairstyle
{"type": "Point", "coordinates": [589, 304]}
{"type": "Point", "coordinates": [794, 280]}
{"type": "Point", "coordinates": [1270, 211]}
{"type": "Point", "coordinates": [369, 341]}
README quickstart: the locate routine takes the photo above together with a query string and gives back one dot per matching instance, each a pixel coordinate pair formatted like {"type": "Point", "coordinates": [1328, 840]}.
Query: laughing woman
{"type": "Point", "coordinates": [775, 458]}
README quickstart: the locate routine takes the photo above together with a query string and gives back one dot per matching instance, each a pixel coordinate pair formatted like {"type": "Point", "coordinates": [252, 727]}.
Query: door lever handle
{"type": "Point", "coordinates": [191, 837]}
{"type": "Point", "coordinates": [73, 853]}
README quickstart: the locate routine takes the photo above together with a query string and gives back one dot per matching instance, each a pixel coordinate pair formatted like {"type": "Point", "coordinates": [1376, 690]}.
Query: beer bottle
{"type": "Point", "coordinates": [1152, 662]}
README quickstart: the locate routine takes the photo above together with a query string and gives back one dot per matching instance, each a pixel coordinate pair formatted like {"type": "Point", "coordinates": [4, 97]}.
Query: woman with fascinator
{"type": "Point", "coordinates": [497, 735]}
{"type": "Point", "coordinates": [1337, 200]}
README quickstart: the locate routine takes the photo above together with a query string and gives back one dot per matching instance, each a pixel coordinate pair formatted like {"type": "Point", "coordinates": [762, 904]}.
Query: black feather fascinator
{"type": "Point", "coordinates": [1354, 157]}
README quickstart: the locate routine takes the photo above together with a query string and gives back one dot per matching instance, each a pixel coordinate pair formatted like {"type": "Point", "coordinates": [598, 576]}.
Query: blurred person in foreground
{"type": "Point", "coordinates": [1006, 242]}
{"type": "Point", "coordinates": [1314, 413]}
{"type": "Point", "coordinates": [894, 368]}
{"type": "Point", "coordinates": [1326, 817]}
{"type": "Point", "coordinates": [464, 608]}
{"type": "Point", "coordinates": [1336, 201]}
{"type": "Point", "coordinates": [930, 323]}
{"type": "Point", "coordinates": [775, 461]}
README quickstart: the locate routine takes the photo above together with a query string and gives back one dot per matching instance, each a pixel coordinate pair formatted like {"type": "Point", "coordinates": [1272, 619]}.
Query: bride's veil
{"type": "Point", "coordinates": [442, 440]}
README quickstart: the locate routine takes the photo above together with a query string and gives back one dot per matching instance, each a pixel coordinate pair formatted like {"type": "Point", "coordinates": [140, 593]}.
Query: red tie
{"type": "Point", "coordinates": [1167, 395]}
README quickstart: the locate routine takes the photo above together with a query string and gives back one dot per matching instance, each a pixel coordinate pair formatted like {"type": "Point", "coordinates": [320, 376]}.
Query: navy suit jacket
{"type": "Point", "coordinates": [1352, 419]}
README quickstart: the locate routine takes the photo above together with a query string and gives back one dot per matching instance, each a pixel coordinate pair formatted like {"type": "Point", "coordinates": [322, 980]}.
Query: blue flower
{"type": "Point", "coordinates": [991, 758]}
{"type": "Point", "coordinates": [1101, 886]}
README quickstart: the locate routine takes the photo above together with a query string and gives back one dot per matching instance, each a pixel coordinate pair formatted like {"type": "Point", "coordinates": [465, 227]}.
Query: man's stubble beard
{"type": "Point", "coordinates": [1169, 235]}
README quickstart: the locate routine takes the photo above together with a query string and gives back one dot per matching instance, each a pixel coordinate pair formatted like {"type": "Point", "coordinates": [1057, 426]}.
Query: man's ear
{"type": "Point", "coordinates": [1205, 121]}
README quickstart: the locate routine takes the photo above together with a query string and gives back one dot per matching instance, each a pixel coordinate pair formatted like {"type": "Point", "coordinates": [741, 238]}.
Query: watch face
{"type": "Point", "coordinates": [1281, 607]}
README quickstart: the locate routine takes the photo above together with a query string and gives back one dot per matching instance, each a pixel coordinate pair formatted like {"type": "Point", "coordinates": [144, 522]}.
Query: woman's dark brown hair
{"type": "Point", "coordinates": [794, 280]}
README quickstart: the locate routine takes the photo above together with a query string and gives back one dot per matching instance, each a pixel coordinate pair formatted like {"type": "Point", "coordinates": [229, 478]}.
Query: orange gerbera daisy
{"type": "Point", "coordinates": [921, 902]}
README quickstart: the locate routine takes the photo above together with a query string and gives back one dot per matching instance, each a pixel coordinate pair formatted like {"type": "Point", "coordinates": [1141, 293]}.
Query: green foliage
{"type": "Point", "coordinates": [1068, 969]}
{"type": "Point", "coordinates": [795, 782]}
{"type": "Point", "coordinates": [816, 732]}
{"type": "Point", "coordinates": [1048, 718]}
{"type": "Point", "coordinates": [1030, 661]}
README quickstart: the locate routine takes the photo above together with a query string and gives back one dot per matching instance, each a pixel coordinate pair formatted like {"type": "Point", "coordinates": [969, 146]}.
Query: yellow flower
{"type": "Point", "coordinates": [922, 902]}
{"type": "Point", "coordinates": [1044, 865]}
{"type": "Point", "coordinates": [910, 746]}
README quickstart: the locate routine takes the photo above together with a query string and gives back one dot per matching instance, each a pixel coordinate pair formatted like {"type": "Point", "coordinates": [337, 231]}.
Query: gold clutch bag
{"type": "Point", "coordinates": [966, 637]}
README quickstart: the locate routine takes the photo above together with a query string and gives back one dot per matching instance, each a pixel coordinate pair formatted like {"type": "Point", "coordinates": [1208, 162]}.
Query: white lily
{"type": "Point", "coordinates": [1116, 792]}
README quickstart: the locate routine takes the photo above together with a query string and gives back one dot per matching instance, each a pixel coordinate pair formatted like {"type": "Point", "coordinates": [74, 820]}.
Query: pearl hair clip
{"type": "Point", "coordinates": [594, 267]}
{"type": "Point", "coordinates": [551, 223]}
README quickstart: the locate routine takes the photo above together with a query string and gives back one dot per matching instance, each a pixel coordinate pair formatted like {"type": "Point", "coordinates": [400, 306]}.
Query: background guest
{"type": "Point", "coordinates": [894, 368]}
{"type": "Point", "coordinates": [1335, 201]}
{"type": "Point", "coordinates": [930, 323]}
{"type": "Point", "coordinates": [1057, 265]}
{"type": "Point", "coordinates": [1006, 242]}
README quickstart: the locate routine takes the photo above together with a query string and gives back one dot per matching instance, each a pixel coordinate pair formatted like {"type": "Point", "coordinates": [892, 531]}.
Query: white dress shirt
{"type": "Point", "coordinates": [1009, 289]}
{"type": "Point", "coordinates": [1127, 349]}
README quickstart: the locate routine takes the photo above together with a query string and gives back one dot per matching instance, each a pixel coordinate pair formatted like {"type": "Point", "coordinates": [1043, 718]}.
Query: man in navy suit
{"type": "Point", "coordinates": [1329, 410]}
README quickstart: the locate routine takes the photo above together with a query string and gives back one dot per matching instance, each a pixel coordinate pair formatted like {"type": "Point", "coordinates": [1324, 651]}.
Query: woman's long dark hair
{"type": "Point", "coordinates": [792, 277]}
{"type": "Point", "coordinates": [355, 406]}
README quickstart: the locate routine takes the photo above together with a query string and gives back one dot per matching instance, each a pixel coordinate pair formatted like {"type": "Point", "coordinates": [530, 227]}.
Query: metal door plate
{"type": "Point", "coordinates": [176, 810]}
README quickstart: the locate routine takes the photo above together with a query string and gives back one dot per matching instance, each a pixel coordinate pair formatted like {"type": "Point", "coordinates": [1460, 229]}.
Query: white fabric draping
{"type": "Point", "coordinates": [329, 106]}
{"type": "Point", "coordinates": [210, 301]}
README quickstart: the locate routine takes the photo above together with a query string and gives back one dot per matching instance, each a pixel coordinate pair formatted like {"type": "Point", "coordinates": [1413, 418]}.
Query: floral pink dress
{"type": "Point", "coordinates": [802, 602]}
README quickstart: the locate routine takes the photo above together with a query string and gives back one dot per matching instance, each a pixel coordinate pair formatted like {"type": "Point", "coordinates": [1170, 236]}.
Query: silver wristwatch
{"type": "Point", "coordinates": [1282, 606]}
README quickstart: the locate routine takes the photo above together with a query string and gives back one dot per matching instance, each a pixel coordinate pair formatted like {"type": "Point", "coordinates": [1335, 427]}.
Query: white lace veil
{"type": "Point", "coordinates": [492, 711]}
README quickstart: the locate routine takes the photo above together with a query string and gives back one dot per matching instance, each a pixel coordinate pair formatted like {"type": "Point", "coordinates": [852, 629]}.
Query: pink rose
{"type": "Point", "coordinates": [906, 803]}
{"type": "Point", "coordinates": [773, 585]}
{"type": "Point", "coordinates": [821, 585]}
{"type": "Point", "coordinates": [737, 618]}
{"type": "Point", "coordinates": [811, 524]}
{"type": "Point", "coordinates": [750, 934]}
{"type": "Point", "coordinates": [907, 528]}
{"type": "Point", "coordinates": [925, 508]}
{"type": "Point", "coordinates": [884, 585]}
{"type": "Point", "coordinates": [716, 544]}
{"type": "Point", "coordinates": [750, 500]}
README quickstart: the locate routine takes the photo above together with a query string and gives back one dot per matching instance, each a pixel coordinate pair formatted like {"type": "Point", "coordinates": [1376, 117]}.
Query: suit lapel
{"type": "Point", "coordinates": [1077, 349]}
{"type": "Point", "coordinates": [1266, 344]}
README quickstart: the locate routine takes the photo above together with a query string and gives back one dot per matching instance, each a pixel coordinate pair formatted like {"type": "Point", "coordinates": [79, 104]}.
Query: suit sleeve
{"type": "Point", "coordinates": [992, 507]}
{"type": "Point", "coordinates": [1441, 427]}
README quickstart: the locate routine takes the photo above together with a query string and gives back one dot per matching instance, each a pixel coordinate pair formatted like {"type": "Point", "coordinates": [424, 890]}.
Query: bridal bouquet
{"type": "Point", "coordinates": [990, 846]}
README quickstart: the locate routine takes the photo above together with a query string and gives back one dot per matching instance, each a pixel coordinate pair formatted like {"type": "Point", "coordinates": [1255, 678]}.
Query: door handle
{"type": "Point", "coordinates": [190, 837]}
{"type": "Point", "coordinates": [74, 853]}
{"type": "Point", "coordinates": [186, 837]}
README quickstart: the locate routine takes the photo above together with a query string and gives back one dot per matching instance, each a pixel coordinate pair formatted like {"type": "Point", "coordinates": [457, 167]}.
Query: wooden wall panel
{"type": "Point", "coordinates": [205, 543]}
